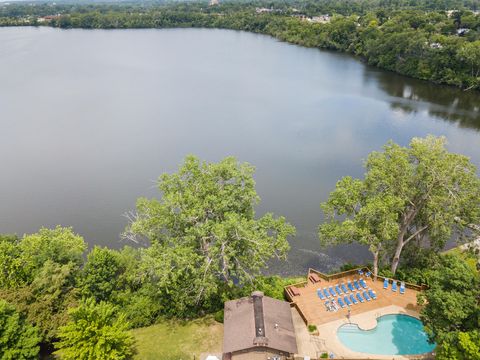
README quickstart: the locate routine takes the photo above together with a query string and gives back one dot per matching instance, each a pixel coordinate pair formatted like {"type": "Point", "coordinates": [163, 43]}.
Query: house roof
{"type": "Point", "coordinates": [258, 320]}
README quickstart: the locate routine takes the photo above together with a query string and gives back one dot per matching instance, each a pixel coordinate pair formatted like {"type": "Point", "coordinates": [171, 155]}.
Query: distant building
{"type": "Point", "coordinates": [323, 19]}
{"type": "Point", "coordinates": [258, 328]}
{"type": "Point", "coordinates": [462, 31]}
{"type": "Point", "coordinates": [47, 18]}
{"type": "Point", "coordinates": [263, 10]}
{"type": "Point", "coordinates": [436, 45]}
{"type": "Point", "coordinates": [213, 2]}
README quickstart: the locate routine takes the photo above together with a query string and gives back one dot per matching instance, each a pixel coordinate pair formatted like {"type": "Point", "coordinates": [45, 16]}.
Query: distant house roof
{"type": "Point", "coordinates": [258, 320]}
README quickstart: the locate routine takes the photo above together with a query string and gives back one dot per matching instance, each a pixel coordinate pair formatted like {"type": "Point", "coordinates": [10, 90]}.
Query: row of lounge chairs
{"type": "Point", "coordinates": [341, 289]}
{"type": "Point", "coordinates": [350, 299]}
{"type": "Point", "coordinates": [386, 283]}
{"type": "Point", "coordinates": [367, 274]}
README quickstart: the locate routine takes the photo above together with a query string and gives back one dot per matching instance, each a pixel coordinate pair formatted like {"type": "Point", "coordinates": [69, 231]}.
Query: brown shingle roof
{"type": "Point", "coordinates": [242, 321]}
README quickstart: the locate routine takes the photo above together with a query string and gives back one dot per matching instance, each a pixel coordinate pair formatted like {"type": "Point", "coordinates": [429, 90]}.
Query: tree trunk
{"type": "Point", "coordinates": [396, 257]}
{"type": "Point", "coordinates": [375, 264]}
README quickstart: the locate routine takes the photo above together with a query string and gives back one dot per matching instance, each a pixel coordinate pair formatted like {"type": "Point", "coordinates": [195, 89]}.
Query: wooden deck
{"type": "Point", "coordinates": [313, 310]}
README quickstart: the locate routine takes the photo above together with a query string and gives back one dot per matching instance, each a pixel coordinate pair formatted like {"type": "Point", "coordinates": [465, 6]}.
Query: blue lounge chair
{"type": "Point", "coordinates": [331, 291]}
{"type": "Point", "coordinates": [355, 283]}
{"type": "Point", "coordinates": [363, 283]}
{"type": "Point", "coordinates": [320, 294]}
{"type": "Point", "coordinates": [338, 290]}
{"type": "Point", "coordinates": [327, 305]}
{"type": "Point", "coordinates": [347, 301]}
{"type": "Point", "coordinates": [402, 287]}
{"type": "Point", "coordinates": [394, 285]}
{"type": "Point", "coordinates": [326, 293]}
{"type": "Point", "coordinates": [341, 303]}
{"type": "Point", "coordinates": [360, 272]}
{"type": "Point", "coordinates": [385, 284]}
{"type": "Point", "coordinates": [365, 295]}
{"type": "Point", "coordinates": [353, 299]}
{"type": "Point", "coordinates": [368, 274]}
{"type": "Point", "coordinates": [350, 286]}
{"type": "Point", "coordinates": [359, 297]}
{"type": "Point", "coordinates": [344, 288]}
{"type": "Point", "coordinates": [372, 294]}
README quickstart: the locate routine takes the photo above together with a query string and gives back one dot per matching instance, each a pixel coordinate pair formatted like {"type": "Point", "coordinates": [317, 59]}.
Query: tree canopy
{"type": "Point", "coordinates": [204, 231]}
{"type": "Point", "coordinates": [95, 331]}
{"type": "Point", "coordinates": [18, 339]}
{"type": "Point", "coordinates": [421, 193]}
{"type": "Point", "coordinates": [452, 310]}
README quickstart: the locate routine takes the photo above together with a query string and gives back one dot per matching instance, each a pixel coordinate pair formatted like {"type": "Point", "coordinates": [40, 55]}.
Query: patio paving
{"type": "Point", "coordinates": [315, 312]}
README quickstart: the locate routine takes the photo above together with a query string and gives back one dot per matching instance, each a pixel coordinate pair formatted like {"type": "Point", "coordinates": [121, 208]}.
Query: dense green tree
{"type": "Point", "coordinates": [452, 308]}
{"type": "Point", "coordinates": [60, 245]}
{"type": "Point", "coordinates": [204, 230]}
{"type": "Point", "coordinates": [95, 332]}
{"type": "Point", "coordinates": [12, 269]}
{"type": "Point", "coordinates": [46, 300]}
{"type": "Point", "coordinates": [419, 193]}
{"type": "Point", "coordinates": [100, 274]}
{"type": "Point", "coordinates": [18, 339]}
{"type": "Point", "coordinates": [40, 272]}
{"type": "Point", "coordinates": [459, 345]}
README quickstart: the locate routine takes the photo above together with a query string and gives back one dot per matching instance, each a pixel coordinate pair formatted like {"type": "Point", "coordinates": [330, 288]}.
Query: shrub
{"type": "Point", "coordinates": [218, 316]}
{"type": "Point", "coordinates": [95, 332]}
{"type": "Point", "coordinates": [18, 339]}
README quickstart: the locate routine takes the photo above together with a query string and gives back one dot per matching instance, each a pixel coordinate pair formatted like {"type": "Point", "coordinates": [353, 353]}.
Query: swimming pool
{"type": "Point", "coordinates": [394, 335]}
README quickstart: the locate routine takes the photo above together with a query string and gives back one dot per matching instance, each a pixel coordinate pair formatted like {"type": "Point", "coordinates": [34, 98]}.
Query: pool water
{"type": "Point", "coordinates": [394, 335]}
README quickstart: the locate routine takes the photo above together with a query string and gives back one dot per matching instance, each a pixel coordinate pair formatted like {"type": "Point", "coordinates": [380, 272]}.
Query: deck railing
{"type": "Point", "coordinates": [352, 272]}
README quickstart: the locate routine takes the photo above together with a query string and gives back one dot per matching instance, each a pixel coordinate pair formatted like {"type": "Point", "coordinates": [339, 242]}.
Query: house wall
{"type": "Point", "coordinates": [260, 354]}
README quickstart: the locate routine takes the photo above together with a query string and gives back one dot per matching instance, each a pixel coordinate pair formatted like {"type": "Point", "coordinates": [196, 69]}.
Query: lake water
{"type": "Point", "coordinates": [89, 120]}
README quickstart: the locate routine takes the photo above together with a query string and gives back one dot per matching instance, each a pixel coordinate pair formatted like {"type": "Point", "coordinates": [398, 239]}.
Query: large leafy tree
{"type": "Point", "coordinates": [100, 275]}
{"type": "Point", "coordinates": [420, 193]}
{"type": "Point", "coordinates": [60, 245]}
{"type": "Point", "coordinates": [12, 267]}
{"type": "Point", "coordinates": [39, 276]}
{"type": "Point", "coordinates": [18, 339]}
{"type": "Point", "coordinates": [95, 331]}
{"type": "Point", "coordinates": [205, 227]}
{"type": "Point", "coordinates": [452, 308]}
{"type": "Point", "coordinates": [46, 300]}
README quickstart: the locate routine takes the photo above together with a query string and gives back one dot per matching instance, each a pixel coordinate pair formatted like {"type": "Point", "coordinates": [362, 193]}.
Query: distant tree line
{"type": "Point", "coordinates": [413, 38]}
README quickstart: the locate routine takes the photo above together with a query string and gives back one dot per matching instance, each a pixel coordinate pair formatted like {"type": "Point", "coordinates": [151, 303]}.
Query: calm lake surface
{"type": "Point", "coordinates": [89, 120]}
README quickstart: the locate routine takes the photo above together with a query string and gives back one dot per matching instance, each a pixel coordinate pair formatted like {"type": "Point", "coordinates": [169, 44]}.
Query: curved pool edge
{"type": "Point", "coordinates": [369, 324]}
{"type": "Point", "coordinates": [328, 333]}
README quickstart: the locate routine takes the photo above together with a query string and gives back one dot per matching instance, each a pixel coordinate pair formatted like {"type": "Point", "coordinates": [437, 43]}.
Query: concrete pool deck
{"type": "Point", "coordinates": [307, 308]}
{"type": "Point", "coordinates": [365, 321]}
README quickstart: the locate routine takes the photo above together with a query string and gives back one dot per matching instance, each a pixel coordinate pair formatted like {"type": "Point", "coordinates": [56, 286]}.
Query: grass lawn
{"type": "Point", "coordinates": [178, 341]}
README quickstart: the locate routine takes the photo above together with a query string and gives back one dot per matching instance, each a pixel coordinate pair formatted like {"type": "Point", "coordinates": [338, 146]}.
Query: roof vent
{"type": "Point", "coordinates": [257, 294]}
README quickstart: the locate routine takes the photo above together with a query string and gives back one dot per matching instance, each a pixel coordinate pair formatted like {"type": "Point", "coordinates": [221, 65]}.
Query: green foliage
{"type": "Point", "coordinates": [420, 194]}
{"type": "Point", "coordinates": [39, 278]}
{"type": "Point", "coordinates": [312, 328]}
{"type": "Point", "coordinates": [60, 245]}
{"type": "Point", "coordinates": [18, 339]}
{"type": "Point", "coordinates": [12, 269]}
{"type": "Point", "coordinates": [347, 266]}
{"type": "Point", "coordinates": [460, 345]}
{"type": "Point", "coordinates": [219, 316]}
{"type": "Point", "coordinates": [451, 300]}
{"type": "Point", "coordinates": [96, 331]}
{"type": "Point", "coordinates": [100, 275]}
{"type": "Point", "coordinates": [46, 300]}
{"type": "Point", "coordinates": [204, 234]}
